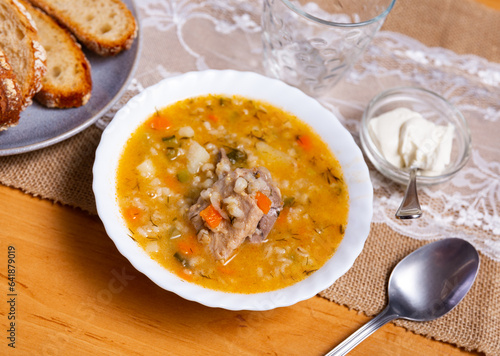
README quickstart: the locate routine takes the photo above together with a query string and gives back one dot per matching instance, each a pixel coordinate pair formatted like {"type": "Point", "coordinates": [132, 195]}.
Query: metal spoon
{"type": "Point", "coordinates": [424, 286]}
{"type": "Point", "coordinates": [410, 207]}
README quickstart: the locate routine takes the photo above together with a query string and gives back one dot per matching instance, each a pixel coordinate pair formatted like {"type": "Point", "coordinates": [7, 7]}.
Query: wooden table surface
{"type": "Point", "coordinates": [76, 295]}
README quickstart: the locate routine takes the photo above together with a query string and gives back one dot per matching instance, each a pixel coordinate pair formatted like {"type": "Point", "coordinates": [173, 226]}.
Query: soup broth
{"type": "Point", "coordinates": [171, 158]}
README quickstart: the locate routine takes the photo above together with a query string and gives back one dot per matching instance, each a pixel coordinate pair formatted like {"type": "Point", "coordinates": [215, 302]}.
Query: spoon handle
{"type": "Point", "coordinates": [363, 332]}
{"type": "Point", "coordinates": [410, 207]}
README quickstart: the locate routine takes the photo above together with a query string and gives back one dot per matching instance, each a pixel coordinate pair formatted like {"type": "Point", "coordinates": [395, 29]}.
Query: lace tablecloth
{"type": "Point", "coordinates": [186, 35]}
{"type": "Point", "coordinates": [468, 206]}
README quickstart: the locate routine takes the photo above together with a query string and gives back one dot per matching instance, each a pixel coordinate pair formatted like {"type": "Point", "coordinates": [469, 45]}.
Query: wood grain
{"type": "Point", "coordinates": [76, 295]}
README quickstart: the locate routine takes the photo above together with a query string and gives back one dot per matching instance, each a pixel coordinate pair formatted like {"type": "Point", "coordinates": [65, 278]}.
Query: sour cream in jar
{"type": "Point", "coordinates": [406, 139]}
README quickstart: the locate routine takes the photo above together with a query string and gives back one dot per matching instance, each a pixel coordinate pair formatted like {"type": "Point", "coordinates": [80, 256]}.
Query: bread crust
{"type": "Point", "coordinates": [11, 99]}
{"type": "Point", "coordinates": [68, 82]}
{"type": "Point", "coordinates": [29, 79]}
{"type": "Point", "coordinates": [97, 41]}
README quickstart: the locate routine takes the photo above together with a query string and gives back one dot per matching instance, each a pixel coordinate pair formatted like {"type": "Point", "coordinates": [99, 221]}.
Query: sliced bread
{"type": "Point", "coordinates": [19, 42]}
{"type": "Point", "coordinates": [104, 26]}
{"type": "Point", "coordinates": [68, 81]}
{"type": "Point", "coordinates": [11, 98]}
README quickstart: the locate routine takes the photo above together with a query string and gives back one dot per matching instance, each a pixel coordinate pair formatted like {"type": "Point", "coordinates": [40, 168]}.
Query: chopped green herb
{"type": "Point", "coordinates": [183, 261]}
{"type": "Point", "coordinates": [169, 139]}
{"type": "Point", "coordinates": [183, 176]}
{"type": "Point", "coordinates": [329, 176]}
{"type": "Point", "coordinates": [260, 138]}
{"type": "Point", "coordinates": [236, 156]}
{"type": "Point", "coordinates": [288, 201]}
{"type": "Point", "coordinates": [308, 272]}
{"type": "Point", "coordinates": [171, 153]}
{"type": "Point", "coordinates": [172, 146]}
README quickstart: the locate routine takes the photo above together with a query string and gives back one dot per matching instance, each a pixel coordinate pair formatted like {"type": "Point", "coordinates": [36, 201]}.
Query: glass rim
{"type": "Point", "coordinates": [308, 16]}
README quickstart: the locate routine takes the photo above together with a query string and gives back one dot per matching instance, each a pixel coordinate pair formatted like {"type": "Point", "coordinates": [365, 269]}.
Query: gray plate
{"type": "Point", "coordinates": [40, 127]}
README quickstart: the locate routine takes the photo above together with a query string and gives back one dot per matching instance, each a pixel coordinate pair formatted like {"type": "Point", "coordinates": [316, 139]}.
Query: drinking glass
{"type": "Point", "coordinates": [311, 44]}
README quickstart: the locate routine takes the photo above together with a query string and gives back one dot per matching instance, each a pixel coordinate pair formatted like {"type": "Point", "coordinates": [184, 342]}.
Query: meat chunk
{"type": "Point", "coordinates": [233, 197]}
{"type": "Point", "coordinates": [266, 223]}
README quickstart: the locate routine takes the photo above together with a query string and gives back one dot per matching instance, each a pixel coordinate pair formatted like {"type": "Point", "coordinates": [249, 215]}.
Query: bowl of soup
{"type": "Point", "coordinates": [233, 190]}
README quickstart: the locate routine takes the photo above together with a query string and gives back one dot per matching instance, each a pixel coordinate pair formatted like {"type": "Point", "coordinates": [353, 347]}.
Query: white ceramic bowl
{"type": "Point", "coordinates": [257, 87]}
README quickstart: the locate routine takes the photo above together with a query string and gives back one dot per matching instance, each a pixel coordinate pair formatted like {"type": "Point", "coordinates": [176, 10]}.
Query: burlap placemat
{"type": "Point", "coordinates": [63, 173]}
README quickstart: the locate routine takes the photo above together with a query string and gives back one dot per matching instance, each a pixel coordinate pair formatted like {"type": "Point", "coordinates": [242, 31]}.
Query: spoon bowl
{"type": "Point", "coordinates": [446, 268]}
{"type": "Point", "coordinates": [424, 286]}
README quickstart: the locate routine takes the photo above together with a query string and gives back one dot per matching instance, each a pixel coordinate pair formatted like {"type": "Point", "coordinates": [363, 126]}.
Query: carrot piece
{"type": "Point", "coordinates": [211, 216]}
{"type": "Point", "coordinates": [224, 269]}
{"type": "Point", "coordinates": [159, 122]}
{"type": "Point", "coordinates": [171, 182]}
{"type": "Point", "coordinates": [213, 118]}
{"type": "Point", "coordinates": [283, 216]}
{"type": "Point", "coordinates": [187, 246]}
{"type": "Point", "coordinates": [132, 213]}
{"type": "Point", "coordinates": [263, 202]}
{"type": "Point", "coordinates": [305, 142]}
{"type": "Point", "coordinates": [185, 274]}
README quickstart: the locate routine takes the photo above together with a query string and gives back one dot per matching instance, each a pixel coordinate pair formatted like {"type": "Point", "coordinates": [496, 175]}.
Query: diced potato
{"type": "Point", "coordinates": [156, 182]}
{"type": "Point", "coordinates": [275, 154]}
{"type": "Point", "coordinates": [146, 168]}
{"type": "Point", "coordinates": [186, 131]}
{"type": "Point", "coordinates": [152, 247]}
{"type": "Point", "coordinates": [197, 156]}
